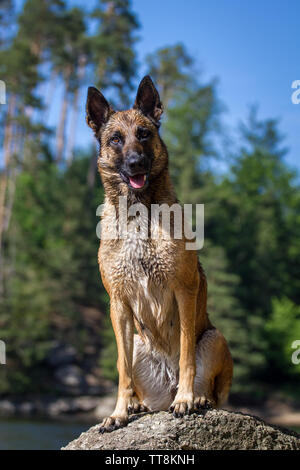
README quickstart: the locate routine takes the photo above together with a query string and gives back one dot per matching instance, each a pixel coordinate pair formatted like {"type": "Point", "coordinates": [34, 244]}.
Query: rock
{"type": "Point", "coordinates": [70, 376]}
{"type": "Point", "coordinates": [7, 408]}
{"type": "Point", "coordinates": [26, 408]}
{"type": "Point", "coordinates": [85, 404]}
{"type": "Point", "coordinates": [213, 429]}
{"type": "Point", "coordinates": [59, 407]}
{"type": "Point", "coordinates": [68, 405]}
{"type": "Point", "coordinates": [54, 407]}
{"type": "Point", "coordinates": [72, 380]}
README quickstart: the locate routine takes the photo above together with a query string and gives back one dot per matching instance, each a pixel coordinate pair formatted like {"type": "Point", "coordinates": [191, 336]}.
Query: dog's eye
{"type": "Point", "coordinates": [115, 140]}
{"type": "Point", "coordinates": [144, 133]}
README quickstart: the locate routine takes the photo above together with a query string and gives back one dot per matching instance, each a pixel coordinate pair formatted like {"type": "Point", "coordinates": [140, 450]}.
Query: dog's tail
{"type": "Point", "coordinates": [223, 382]}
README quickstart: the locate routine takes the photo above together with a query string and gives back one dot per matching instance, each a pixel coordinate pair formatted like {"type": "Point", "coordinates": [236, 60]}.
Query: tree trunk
{"type": "Point", "coordinates": [7, 144]}
{"type": "Point", "coordinates": [49, 97]}
{"type": "Point", "coordinates": [8, 134]}
{"type": "Point", "coordinates": [16, 151]}
{"type": "Point", "coordinates": [60, 134]}
{"type": "Point", "coordinates": [72, 134]}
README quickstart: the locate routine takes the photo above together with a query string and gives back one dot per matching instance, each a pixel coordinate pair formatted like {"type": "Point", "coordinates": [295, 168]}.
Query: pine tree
{"type": "Point", "coordinates": [172, 70]}
{"type": "Point", "coordinates": [20, 58]}
{"type": "Point", "coordinates": [228, 316]}
{"type": "Point", "coordinates": [112, 48]}
{"type": "Point", "coordinates": [255, 206]}
{"type": "Point", "coordinates": [7, 17]}
{"type": "Point", "coordinates": [55, 271]}
{"type": "Point", "coordinates": [68, 57]}
{"type": "Point", "coordinates": [283, 328]}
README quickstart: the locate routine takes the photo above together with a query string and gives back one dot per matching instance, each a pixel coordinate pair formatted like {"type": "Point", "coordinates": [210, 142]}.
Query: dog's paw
{"type": "Point", "coordinates": [203, 403]}
{"type": "Point", "coordinates": [182, 405]}
{"type": "Point", "coordinates": [135, 406]}
{"type": "Point", "coordinates": [112, 423]}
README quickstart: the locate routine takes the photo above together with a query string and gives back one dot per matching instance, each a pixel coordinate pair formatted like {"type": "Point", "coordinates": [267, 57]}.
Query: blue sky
{"type": "Point", "coordinates": [252, 47]}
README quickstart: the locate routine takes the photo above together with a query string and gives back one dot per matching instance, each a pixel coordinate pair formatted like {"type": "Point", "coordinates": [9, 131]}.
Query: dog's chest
{"type": "Point", "coordinates": [140, 268]}
{"type": "Point", "coordinates": [144, 257]}
{"type": "Point", "coordinates": [140, 249]}
{"type": "Point", "coordinates": [147, 267]}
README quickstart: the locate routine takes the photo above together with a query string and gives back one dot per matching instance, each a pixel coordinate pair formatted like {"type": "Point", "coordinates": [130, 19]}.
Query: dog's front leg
{"type": "Point", "coordinates": [122, 322]}
{"type": "Point", "coordinates": [184, 399]}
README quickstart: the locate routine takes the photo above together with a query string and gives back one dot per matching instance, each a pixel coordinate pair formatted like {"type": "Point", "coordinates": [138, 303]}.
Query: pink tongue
{"type": "Point", "coordinates": [137, 181]}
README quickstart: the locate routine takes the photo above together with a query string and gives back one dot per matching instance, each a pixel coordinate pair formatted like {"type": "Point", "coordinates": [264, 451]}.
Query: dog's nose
{"type": "Point", "coordinates": [136, 162]}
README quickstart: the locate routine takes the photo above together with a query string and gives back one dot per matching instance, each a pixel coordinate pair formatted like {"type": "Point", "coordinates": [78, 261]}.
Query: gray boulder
{"type": "Point", "coordinates": [213, 429]}
{"type": "Point", "coordinates": [70, 376]}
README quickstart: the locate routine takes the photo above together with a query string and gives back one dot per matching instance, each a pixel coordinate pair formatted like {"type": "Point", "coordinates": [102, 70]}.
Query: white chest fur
{"type": "Point", "coordinates": [141, 266]}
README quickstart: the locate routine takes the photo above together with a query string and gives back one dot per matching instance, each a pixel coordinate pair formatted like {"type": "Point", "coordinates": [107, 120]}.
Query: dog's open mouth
{"type": "Point", "coordinates": [136, 181]}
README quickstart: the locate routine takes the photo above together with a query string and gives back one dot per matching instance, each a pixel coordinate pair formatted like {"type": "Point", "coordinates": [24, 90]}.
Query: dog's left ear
{"type": "Point", "coordinates": [148, 100]}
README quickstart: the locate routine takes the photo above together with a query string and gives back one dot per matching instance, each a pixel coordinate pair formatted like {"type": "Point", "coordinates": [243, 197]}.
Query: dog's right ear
{"type": "Point", "coordinates": [98, 110]}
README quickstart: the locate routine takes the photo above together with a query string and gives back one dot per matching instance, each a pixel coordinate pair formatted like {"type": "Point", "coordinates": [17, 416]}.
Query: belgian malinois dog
{"type": "Point", "coordinates": [177, 360]}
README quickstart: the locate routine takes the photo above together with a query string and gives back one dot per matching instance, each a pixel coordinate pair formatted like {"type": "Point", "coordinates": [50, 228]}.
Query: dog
{"type": "Point", "coordinates": [176, 360]}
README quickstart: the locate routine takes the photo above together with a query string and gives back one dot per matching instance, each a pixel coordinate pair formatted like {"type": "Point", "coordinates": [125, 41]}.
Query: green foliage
{"type": "Point", "coordinates": [256, 217]}
{"type": "Point", "coordinates": [283, 328]}
{"type": "Point", "coordinates": [228, 316]}
{"type": "Point", "coordinates": [52, 249]}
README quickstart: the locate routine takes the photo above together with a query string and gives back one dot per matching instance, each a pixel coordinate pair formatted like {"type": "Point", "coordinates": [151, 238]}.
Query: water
{"type": "Point", "coordinates": [23, 434]}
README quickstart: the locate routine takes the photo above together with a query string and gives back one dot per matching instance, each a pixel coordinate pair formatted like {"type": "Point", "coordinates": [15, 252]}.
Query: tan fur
{"type": "Point", "coordinates": [177, 359]}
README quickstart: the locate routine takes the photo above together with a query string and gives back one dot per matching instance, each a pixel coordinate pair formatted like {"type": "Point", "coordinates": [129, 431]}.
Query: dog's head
{"type": "Point", "coordinates": [132, 153]}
